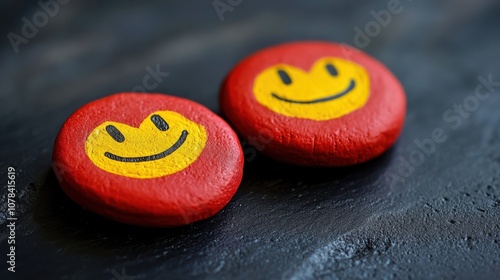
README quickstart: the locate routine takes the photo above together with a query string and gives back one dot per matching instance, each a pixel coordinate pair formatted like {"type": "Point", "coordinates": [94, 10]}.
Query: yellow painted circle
{"type": "Point", "coordinates": [165, 143]}
{"type": "Point", "coordinates": [332, 88]}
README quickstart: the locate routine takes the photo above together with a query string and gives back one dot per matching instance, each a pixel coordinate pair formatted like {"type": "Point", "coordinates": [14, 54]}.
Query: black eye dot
{"type": "Point", "coordinates": [331, 69]}
{"type": "Point", "coordinates": [115, 133]}
{"type": "Point", "coordinates": [284, 77]}
{"type": "Point", "coordinates": [160, 123]}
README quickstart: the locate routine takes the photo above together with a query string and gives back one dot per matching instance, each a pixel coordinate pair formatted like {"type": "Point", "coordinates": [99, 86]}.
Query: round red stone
{"type": "Point", "coordinates": [148, 159]}
{"type": "Point", "coordinates": [315, 104]}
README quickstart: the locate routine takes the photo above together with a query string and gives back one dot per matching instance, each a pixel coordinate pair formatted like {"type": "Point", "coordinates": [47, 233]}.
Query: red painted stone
{"type": "Point", "coordinates": [315, 104]}
{"type": "Point", "coordinates": [148, 159]}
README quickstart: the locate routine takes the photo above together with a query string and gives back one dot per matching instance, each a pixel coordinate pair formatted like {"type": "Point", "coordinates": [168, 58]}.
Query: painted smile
{"type": "Point", "coordinates": [161, 155]}
{"type": "Point", "coordinates": [351, 86]}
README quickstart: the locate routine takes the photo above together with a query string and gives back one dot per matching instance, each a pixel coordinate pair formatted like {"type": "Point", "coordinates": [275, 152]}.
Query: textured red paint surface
{"type": "Point", "coordinates": [351, 139]}
{"type": "Point", "coordinates": [195, 193]}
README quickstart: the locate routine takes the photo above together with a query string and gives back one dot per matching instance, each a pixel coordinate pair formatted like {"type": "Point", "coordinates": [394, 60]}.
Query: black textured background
{"type": "Point", "coordinates": [442, 220]}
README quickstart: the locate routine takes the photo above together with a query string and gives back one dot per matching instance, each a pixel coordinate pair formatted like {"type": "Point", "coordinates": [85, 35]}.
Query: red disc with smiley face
{"type": "Point", "coordinates": [148, 159]}
{"type": "Point", "coordinates": [315, 104]}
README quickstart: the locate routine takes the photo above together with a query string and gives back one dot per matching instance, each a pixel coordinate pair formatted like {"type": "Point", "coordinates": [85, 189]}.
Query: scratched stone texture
{"type": "Point", "coordinates": [388, 218]}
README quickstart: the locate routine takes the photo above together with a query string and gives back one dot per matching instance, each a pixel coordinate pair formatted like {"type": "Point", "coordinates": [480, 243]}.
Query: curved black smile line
{"type": "Point", "coordinates": [161, 155]}
{"type": "Point", "coordinates": [352, 84]}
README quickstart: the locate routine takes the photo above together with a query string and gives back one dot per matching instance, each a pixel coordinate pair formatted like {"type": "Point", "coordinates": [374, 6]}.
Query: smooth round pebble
{"type": "Point", "coordinates": [148, 159]}
{"type": "Point", "coordinates": [314, 104]}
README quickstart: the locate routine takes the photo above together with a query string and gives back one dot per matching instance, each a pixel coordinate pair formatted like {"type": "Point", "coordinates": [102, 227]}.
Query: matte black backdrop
{"type": "Point", "coordinates": [441, 220]}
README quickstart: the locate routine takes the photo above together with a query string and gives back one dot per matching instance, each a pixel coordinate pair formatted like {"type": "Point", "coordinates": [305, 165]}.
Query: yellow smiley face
{"type": "Point", "coordinates": [165, 143]}
{"type": "Point", "coordinates": [333, 88]}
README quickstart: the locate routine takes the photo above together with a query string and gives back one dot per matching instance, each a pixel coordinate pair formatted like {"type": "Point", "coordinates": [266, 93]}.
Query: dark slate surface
{"type": "Point", "coordinates": [441, 219]}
